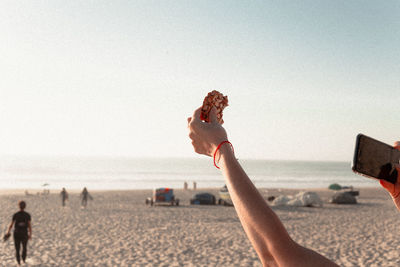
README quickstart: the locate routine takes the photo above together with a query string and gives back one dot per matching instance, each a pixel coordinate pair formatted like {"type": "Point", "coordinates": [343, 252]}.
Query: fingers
{"type": "Point", "coordinates": [192, 135]}
{"type": "Point", "coordinates": [387, 185]}
{"type": "Point", "coordinates": [396, 190]}
{"type": "Point", "coordinates": [397, 145]}
{"type": "Point", "coordinates": [213, 115]}
{"type": "Point", "coordinates": [196, 114]}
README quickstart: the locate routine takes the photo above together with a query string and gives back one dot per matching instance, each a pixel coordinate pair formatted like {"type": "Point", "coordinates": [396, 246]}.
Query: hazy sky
{"type": "Point", "coordinates": [119, 78]}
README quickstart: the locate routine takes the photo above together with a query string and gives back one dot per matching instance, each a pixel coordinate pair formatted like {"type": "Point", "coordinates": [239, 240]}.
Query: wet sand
{"type": "Point", "coordinates": [118, 229]}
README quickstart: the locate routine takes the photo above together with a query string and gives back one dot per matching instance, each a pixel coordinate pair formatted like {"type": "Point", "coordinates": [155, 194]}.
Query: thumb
{"type": "Point", "coordinates": [213, 115]}
{"type": "Point", "coordinates": [196, 115]}
{"type": "Point", "coordinates": [387, 185]}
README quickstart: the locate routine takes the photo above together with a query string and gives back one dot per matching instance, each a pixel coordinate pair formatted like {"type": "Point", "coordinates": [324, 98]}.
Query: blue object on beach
{"type": "Point", "coordinates": [163, 195]}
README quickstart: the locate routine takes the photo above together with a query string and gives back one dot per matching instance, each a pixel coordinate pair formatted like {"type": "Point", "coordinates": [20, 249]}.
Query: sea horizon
{"type": "Point", "coordinates": [116, 173]}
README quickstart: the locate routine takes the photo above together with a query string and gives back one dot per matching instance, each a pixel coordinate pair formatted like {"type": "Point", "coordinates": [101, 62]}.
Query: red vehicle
{"type": "Point", "coordinates": [163, 196]}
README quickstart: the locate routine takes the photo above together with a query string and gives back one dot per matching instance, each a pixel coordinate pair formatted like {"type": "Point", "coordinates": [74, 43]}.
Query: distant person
{"type": "Point", "coordinates": [85, 196]}
{"type": "Point", "coordinates": [394, 189]}
{"type": "Point", "coordinates": [22, 231]}
{"type": "Point", "coordinates": [64, 196]}
{"type": "Point", "coordinates": [265, 231]}
{"type": "Point", "coordinates": [185, 185]}
{"type": "Point", "coordinates": [194, 185]}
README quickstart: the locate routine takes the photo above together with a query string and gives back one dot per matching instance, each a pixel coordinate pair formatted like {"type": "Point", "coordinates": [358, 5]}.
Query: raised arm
{"type": "Point", "coordinates": [262, 226]}
{"type": "Point", "coordinates": [394, 189]}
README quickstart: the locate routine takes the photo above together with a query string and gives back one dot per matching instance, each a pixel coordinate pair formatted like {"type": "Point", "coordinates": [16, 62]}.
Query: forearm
{"type": "Point", "coordinates": [261, 224]}
{"type": "Point", "coordinates": [10, 227]}
{"type": "Point", "coordinates": [263, 227]}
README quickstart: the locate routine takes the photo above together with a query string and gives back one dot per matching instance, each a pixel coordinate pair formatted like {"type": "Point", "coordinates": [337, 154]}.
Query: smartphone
{"type": "Point", "coordinates": [375, 159]}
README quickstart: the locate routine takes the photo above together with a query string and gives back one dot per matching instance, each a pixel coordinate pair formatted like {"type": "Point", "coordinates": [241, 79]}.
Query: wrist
{"type": "Point", "coordinates": [225, 153]}
{"type": "Point", "coordinates": [224, 149]}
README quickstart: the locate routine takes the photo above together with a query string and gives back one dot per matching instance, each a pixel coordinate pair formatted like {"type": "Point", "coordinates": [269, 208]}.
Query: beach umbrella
{"type": "Point", "coordinates": [335, 187]}
{"type": "Point", "coordinates": [45, 191]}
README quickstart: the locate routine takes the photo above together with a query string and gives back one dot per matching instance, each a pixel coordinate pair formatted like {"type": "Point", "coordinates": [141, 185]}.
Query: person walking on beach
{"type": "Point", "coordinates": [64, 196]}
{"type": "Point", "coordinates": [263, 227]}
{"type": "Point", "coordinates": [22, 231]}
{"type": "Point", "coordinates": [85, 196]}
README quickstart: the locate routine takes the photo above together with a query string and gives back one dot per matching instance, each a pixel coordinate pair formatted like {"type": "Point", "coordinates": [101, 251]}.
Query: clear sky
{"type": "Point", "coordinates": [119, 78]}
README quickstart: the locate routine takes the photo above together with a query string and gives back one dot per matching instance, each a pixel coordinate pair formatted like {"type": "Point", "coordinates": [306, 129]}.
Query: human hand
{"type": "Point", "coordinates": [30, 236]}
{"type": "Point", "coordinates": [6, 236]}
{"type": "Point", "coordinates": [205, 136]}
{"type": "Point", "coordinates": [394, 189]}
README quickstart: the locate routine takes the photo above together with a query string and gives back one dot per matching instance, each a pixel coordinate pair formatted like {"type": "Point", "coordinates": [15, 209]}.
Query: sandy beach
{"type": "Point", "coordinates": [118, 229]}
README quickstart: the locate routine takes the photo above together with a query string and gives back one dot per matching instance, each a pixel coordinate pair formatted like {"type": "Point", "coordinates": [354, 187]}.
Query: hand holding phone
{"type": "Point", "coordinates": [378, 160]}
{"type": "Point", "coordinates": [394, 189]}
{"type": "Point", "coordinates": [375, 159]}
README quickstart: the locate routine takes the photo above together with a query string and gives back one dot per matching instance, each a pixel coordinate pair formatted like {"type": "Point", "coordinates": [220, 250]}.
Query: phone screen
{"type": "Point", "coordinates": [375, 159]}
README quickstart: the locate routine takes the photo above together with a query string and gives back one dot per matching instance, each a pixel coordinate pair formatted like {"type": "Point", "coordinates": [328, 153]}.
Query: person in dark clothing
{"type": "Point", "coordinates": [85, 196]}
{"type": "Point", "coordinates": [22, 231]}
{"type": "Point", "coordinates": [64, 196]}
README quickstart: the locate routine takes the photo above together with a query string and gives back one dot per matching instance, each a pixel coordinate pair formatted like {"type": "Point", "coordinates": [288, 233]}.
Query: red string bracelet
{"type": "Point", "coordinates": [218, 147]}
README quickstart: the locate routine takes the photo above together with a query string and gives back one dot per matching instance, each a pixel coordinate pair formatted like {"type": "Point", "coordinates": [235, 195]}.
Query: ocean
{"type": "Point", "coordinates": [146, 173]}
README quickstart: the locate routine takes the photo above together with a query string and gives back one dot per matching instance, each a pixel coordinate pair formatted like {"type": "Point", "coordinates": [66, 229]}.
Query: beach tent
{"type": "Point", "coordinates": [302, 199]}
{"type": "Point", "coordinates": [335, 187]}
